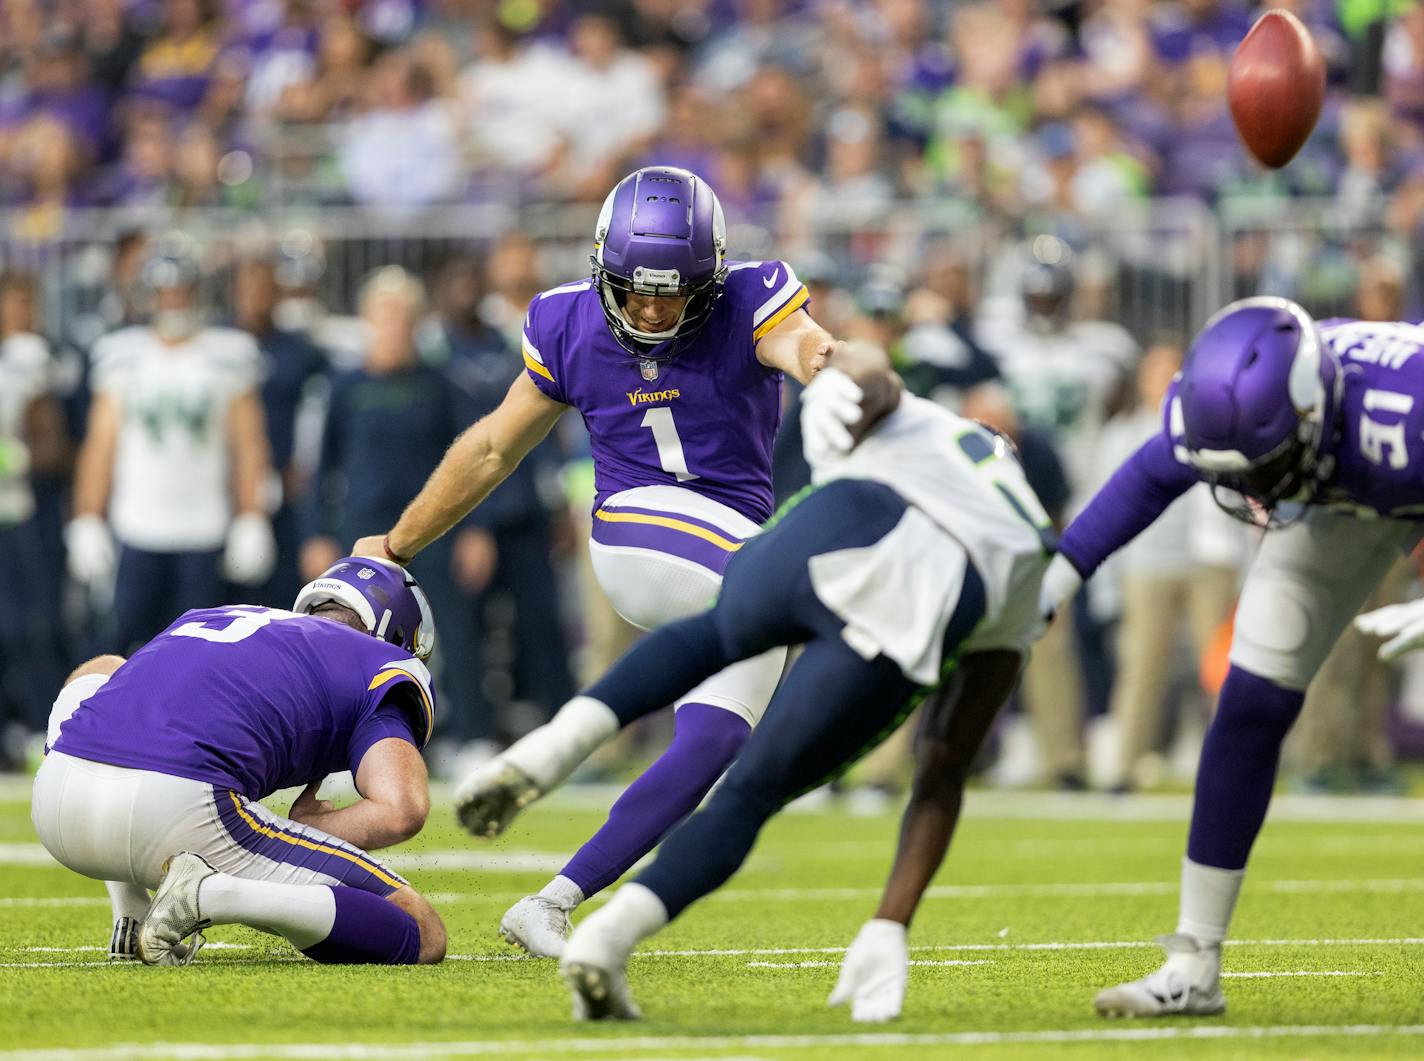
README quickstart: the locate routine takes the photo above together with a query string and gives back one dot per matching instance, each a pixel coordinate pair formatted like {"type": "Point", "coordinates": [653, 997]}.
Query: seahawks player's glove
{"type": "Point", "coordinates": [91, 550]}
{"type": "Point", "coordinates": [1402, 623]}
{"type": "Point", "coordinates": [1060, 582]}
{"type": "Point", "coordinates": [251, 550]}
{"type": "Point", "coordinates": [875, 972]}
{"type": "Point", "coordinates": [830, 405]}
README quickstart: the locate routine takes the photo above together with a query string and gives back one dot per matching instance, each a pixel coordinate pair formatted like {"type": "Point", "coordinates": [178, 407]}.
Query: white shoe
{"type": "Point", "coordinates": [1188, 984]}
{"type": "Point", "coordinates": [538, 925]}
{"type": "Point", "coordinates": [123, 944]}
{"type": "Point", "coordinates": [596, 970]}
{"type": "Point", "coordinates": [491, 797]}
{"type": "Point", "coordinates": [173, 915]}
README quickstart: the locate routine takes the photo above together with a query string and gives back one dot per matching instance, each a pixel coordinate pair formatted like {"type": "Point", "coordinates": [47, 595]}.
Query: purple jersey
{"type": "Point", "coordinates": [251, 699]}
{"type": "Point", "coordinates": [1378, 452]}
{"type": "Point", "coordinates": [704, 420]}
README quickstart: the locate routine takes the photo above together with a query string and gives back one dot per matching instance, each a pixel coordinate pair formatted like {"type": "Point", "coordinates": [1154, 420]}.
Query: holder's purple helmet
{"type": "Point", "coordinates": [661, 232]}
{"type": "Point", "coordinates": [1258, 395]}
{"type": "Point", "coordinates": [386, 597]}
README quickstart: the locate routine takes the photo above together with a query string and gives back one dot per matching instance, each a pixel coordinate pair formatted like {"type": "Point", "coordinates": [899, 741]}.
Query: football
{"type": "Point", "coordinates": [1276, 88]}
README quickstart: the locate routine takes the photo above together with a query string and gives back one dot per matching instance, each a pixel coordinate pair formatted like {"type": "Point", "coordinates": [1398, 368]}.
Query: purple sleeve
{"type": "Point", "coordinates": [1139, 492]}
{"type": "Point", "coordinates": [539, 358]}
{"type": "Point", "coordinates": [388, 720]}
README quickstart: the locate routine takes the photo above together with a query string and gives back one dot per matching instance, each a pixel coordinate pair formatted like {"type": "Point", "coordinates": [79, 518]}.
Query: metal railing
{"type": "Point", "coordinates": [1158, 265]}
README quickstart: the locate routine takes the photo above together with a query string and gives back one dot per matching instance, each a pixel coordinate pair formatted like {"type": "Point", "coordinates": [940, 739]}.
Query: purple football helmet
{"type": "Point", "coordinates": [386, 597]}
{"type": "Point", "coordinates": [661, 232]}
{"type": "Point", "coordinates": [1257, 402]}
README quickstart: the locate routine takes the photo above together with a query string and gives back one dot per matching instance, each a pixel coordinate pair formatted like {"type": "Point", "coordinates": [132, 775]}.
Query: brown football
{"type": "Point", "coordinates": [1276, 88]}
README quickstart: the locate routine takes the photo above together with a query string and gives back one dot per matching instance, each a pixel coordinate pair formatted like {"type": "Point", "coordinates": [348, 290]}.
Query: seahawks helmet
{"type": "Point", "coordinates": [1047, 281]}
{"type": "Point", "coordinates": [170, 284]}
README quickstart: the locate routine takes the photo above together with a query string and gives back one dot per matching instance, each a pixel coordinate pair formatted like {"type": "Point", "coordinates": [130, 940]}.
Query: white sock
{"type": "Point", "coordinates": [553, 751]}
{"type": "Point", "coordinates": [607, 936]}
{"type": "Point", "coordinates": [128, 900]}
{"type": "Point", "coordinates": [563, 892]}
{"type": "Point", "coordinates": [303, 913]}
{"type": "Point", "coordinates": [1208, 899]}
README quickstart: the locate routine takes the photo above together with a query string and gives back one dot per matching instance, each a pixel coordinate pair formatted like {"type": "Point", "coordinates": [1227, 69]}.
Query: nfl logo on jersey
{"type": "Point", "coordinates": [649, 369]}
{"type": "Point", "coordinates": [365, 572]}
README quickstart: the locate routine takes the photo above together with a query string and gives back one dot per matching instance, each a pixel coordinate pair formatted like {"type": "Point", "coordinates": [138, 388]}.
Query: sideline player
{"type": "Point", "coordinates": [164, 757]}
{"type": "Point", "coordinates": [914, 563]}
{"type": "Point", "coordinates": [175, 459]}
{"type": "Point", "coordinates": [1316, 428]}
{"type": "Point", "coordinates": [674, 358]}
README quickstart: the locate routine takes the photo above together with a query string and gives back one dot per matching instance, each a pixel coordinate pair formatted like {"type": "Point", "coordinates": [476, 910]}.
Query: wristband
{"type": "Point", "coordinates": [391, 554]}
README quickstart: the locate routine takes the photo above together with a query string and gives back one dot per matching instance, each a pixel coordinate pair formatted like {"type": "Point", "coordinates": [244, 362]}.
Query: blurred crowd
{"type": "Point", "coordinates": [792, 108]}
{"type": "Point", "coordinates": [313, 387]}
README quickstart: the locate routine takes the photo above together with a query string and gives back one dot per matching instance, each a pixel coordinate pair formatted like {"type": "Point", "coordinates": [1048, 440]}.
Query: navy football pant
{"type": "Point", "coordinates": [153, 589]}
{"type": "Point", "coordinates": [832, 707]}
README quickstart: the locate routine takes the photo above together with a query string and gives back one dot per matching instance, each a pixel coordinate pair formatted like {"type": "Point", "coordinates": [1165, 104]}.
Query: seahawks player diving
{"type": "Point", "coordinates": [674, 358]}
{"type": "Point", "coordinates": [1315, 429]}
{"type": "Point", "coordinates": [910, 573]}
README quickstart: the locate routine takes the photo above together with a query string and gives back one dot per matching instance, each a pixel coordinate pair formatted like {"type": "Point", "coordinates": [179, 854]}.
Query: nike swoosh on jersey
{"type": "Point", "coordinates": [767, 281]}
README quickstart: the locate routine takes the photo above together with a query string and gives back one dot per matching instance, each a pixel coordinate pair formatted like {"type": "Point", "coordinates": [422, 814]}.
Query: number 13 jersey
{"type": "Point", "coordinates": [704, 420]}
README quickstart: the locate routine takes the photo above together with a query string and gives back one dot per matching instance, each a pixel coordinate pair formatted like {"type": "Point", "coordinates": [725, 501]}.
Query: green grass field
{"type": "Point", "coordinates": [1043, 900]}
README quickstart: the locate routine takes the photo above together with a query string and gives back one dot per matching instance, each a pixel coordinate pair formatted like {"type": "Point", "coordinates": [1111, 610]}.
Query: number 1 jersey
{"type": "Point", "coordinates": [253, 700]}
{"type": "Point", "coordinates": [704, 420]}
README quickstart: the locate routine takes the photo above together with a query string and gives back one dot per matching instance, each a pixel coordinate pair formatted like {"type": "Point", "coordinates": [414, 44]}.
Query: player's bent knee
{"type": "Point", "coordinates": [433, 938]}
{"type": "Point", "coordinates": [105, 665]}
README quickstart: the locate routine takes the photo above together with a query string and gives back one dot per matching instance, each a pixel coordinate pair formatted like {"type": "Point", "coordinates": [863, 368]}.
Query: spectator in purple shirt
{"type": "Point", "coordinates": [61, 88]}
{"type": "Point", "coordinates": [1182, 30]}
{"type": "Point", "coordinates": [175, 66]}
{"type": "Point", "coordinates": [141, 175]}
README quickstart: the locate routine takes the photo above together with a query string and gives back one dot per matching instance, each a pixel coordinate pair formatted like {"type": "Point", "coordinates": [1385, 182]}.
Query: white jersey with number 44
{"type": "Point", "coordinates": [172, 488]}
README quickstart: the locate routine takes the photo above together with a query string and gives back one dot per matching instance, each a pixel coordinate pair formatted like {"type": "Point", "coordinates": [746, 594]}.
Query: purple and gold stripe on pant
{"type": "Point", "coordinates": [673, 533]}
{"type": "Point", "coordinates": [285, 842]}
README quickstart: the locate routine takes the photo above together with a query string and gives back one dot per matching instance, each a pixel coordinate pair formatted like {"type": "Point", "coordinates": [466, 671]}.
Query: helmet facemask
{"type": "Point", "coordinates": [614, 290]}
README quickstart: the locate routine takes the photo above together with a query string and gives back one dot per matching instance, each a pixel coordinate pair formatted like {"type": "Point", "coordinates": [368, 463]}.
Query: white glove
{"type": "Point", "coordinates": [829, 406]}
{"type": "Point", "coordinates": [91, 550]}
{"type": "Point", "coordinates": [251, 551]}
{"type": "Point", "coordinates": [874, 973]}
{"type": "Point", "coordinates": [1060, 582]}
{"type": "Point", "coordinates": [1404, 623]}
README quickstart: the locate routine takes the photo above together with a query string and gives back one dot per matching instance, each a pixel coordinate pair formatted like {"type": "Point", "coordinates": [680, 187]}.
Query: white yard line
{"type": "Point", "coordinates": [1243, 976]}
{"type": "Point", "coordinates": [57, 900]}
{"type": "Point", "coordinates": [408, 1051]}
{"type": "Point", "coordinates": [1127, 944]}
{"type": "Point", "coordinates": [1063, 890]}
{"type": "Point", "coordinates": [837, 965]}
{"type": "Point", "coordinates": [1305, 972]}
